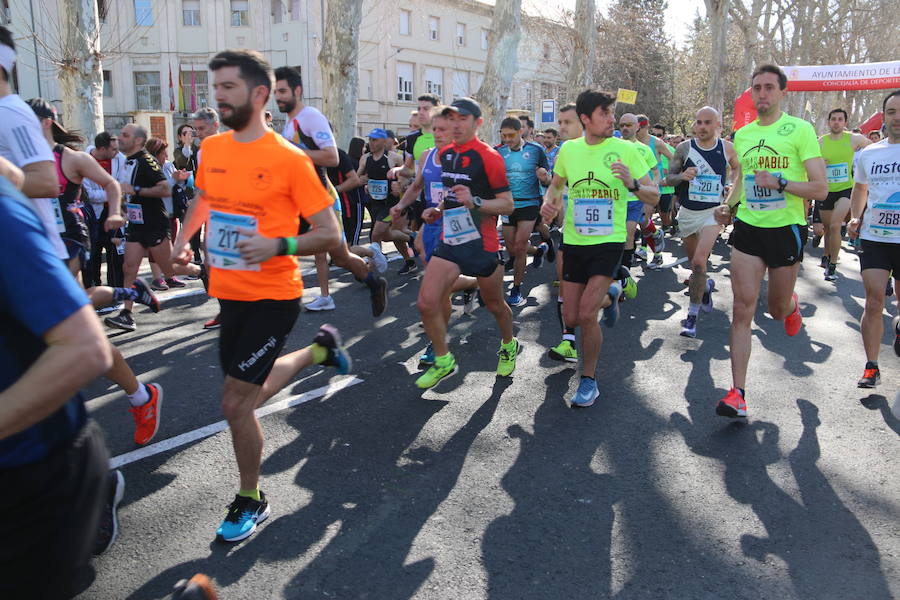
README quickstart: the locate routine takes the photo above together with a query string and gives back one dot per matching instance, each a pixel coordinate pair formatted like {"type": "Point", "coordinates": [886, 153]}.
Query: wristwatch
{"type": "Point", "coordinates": [782, 183]}
{"type": "Point", "coordinates": [637, 186]}
{"type": "Point", "coordinates": [137, 190]}
{"type": "Point", "coordinates": [477, 201]}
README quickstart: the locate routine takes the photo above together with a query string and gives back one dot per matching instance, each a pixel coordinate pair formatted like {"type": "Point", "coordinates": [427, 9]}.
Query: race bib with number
{"type": "Point", "coordinates": [437, 192]}
{"type": "Point", "coordinates": [761, 198]}
{"type": "Point", "coordinates": [58, 215]}
{"type": "Point", "coordinates": [378, 189]}
{"type": "Point", "coordinates": [885, 220]}
{"type": "Point", "coordinates": [839, 173]}
{"type": "Point", "coordinates": [223, 239]}
{"type": "Point", "coordinates": [134, 213]}
{"type": "Point", "coordinates": [593, 216]}
{"type": "Point", "coordinates": [705, 188]}
{"type": "Point", "coordinates": [459, 227]}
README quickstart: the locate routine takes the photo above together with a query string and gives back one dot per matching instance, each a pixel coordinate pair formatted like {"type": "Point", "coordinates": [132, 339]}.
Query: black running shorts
{"type": "Point", "coordinates": [252, 336]}
{"type": "Point", "coordinates": [829, 202]}
{"type": "Point", "coordinates": [879, 255]}
{"type": "Point", "coordinates": [776, 246]}
{"type": "Point", "coordinates": [583, 262]}
{"type": "Point", "coordinates": [471, 258]}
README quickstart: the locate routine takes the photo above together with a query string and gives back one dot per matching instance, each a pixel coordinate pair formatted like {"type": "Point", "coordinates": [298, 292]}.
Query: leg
{"type": "Point", "coordinates": [826, 216]}
{"type": "Point", "coordinates": [872, 324]}
{"type": "Point", "coordinates": [747, 272]}
{"type": "Point", "coordinates": [589, 304]}
{"type": "Point", "coordinates": [836, 221]}
{"type": "Point", "coordinates": [239, 400]}
{"type": "Point", "coordinates": [121, 374]}
{"type": "Point", "coordinates": [343, 258]}
{"type": "Point", "coordinates": [781, 290]}
{"type": "Point", "coordinates": [436, 285]}
{"type": "Point", "coordinates": [492, 294]}
{"type": "Point", "coordinates": [699, 257]}
{"type": "Point", "coordinates": [521, 243]}
{"type": "Point", "coordinates": [322, 273]}
{"type": "Point", "coordinates": [134, 254]}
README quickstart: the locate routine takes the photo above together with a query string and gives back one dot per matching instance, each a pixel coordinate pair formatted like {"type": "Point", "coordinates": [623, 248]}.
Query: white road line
{"type": "Point", "coordinates": [202, 432]}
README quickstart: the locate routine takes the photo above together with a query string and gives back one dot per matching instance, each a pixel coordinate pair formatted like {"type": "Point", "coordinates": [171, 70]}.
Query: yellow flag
{"type": "Point", "coordinates": [626, 96]}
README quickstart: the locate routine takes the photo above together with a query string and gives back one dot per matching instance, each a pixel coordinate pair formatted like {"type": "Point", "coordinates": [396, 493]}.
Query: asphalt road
{"type": "Point", "coordinates": [490, 488]}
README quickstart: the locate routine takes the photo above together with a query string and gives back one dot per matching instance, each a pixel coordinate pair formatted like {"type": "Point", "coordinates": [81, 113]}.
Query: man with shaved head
{"type": "Point", "coordinates": [700, 172]}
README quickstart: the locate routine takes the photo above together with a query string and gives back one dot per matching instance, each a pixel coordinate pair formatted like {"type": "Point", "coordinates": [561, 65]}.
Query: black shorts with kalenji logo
{"type": "Point", "coordinates": [879, 255]}
{"type": "Point", "coordinates": [776, 246]}
{"type": "Point", "coordinates": [253, 334]}
{"type": "Point", "coordinates": [584, 262]}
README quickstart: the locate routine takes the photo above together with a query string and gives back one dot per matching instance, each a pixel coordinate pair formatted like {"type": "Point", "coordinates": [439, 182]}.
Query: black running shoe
{"type": "Point", "coordinates": [123, 321]}
{"type": "Point", "coordinates": [409, 268]}
{"type": "Point", "coordinates": [145, 294]}
{"type": "Point", "coordinates": [551, 250]}
{"type": "Point", "coordinates": [109, 519]}
{"type": "Point", "coordinates": [379, 296]}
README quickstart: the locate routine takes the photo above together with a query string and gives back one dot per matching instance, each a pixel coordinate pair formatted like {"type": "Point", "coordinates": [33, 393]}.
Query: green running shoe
{"type": "Point", "coordinates": [437, 372]}
{"type": "Point", "coordinates": [507, 363]}
{"type": "Point", "coordinates": [564, 352]}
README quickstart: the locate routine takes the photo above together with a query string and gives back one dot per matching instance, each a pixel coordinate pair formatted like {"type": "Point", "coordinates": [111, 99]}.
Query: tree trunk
{"type": "Point", "coordinates": [581, 63]}
{"type": "Point", "coordinates": [717, 15]}
{"type": "Point", "coordinates": [501, 65]}
{"type": "Point", "coordinates": [80, 74]}
{"type": "Point", "coordinates": [338, 63]}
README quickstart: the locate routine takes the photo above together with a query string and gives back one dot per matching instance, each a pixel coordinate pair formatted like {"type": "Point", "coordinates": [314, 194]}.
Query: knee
{"type": "Point", "coordinates": [520, 247]}
{"type": "Point", "coordinates": [698, 265]}
{"type": "Point", "coordinates": [835, 226]}
{"type": "Point", "coordinates": [427, 305]}
{"type": "Point", "coordinates": [742, 312]}
{"type": "Point", "coordinates": [235, 408]}
{"type": "Point", "coordinates": [781, 312]}
{"type": "Point", "coordinates": [874, 306]}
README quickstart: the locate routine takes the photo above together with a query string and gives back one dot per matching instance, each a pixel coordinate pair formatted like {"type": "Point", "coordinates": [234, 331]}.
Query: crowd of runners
{"type": "Point", "coordinates": [598, 197]}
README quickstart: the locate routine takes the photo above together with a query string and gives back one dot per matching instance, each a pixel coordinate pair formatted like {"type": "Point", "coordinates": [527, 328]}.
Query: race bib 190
{"type": "Point", "coordinates": [762, 198]}
{"type": "Point", "coordinates": [223, 239]}
{"type": "Point", "coordinates": [593, 216]}
{"type": "Point", "coordinates": [705, 188]}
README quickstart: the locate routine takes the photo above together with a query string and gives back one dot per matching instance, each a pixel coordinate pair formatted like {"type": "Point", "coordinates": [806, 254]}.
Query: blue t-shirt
{"type": "Point", "coordinates": [520, 170]}
{"type": "Point", "coordinates": [37, 293]}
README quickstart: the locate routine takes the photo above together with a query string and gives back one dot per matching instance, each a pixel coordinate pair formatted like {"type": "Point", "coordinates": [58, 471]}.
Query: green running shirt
{"type": "Point", "coordinates": [838, 157]}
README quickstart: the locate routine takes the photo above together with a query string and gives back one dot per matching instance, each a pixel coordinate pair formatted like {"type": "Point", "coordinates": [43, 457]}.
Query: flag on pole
{"type": "Point", "coordinates": [193, 90]}
{"type": "Point", "coordinates": [171, 91]}
{"type": "Point", "coordinates": [180, 91]}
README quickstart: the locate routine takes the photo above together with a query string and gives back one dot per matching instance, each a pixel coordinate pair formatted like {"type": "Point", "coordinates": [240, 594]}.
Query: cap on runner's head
{"type": "Point", "coordinates": [45, 110]}
{"type": "Point", "coordinates": [464, 106]}
{"type": "Point", "coordinates": [617, 133]}
{"type": "Point", "coordinates": [378, 134]}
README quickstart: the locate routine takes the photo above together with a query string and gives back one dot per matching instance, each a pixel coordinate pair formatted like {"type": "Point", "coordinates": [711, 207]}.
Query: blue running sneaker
{"type": "Point", "coordinates": [586, 394]}
{"type": "Point", "coordinates": [611, 312]}
{"type": "Point", "coordinates": [330, 338]}
{"type": "Point", "coordinates": [244, 514]}
{"type": "Point", "coordinates": [538, 260]}
{"type": "Point", "coordinates": [427, 358]}
{"type": "Point", "coordinates": [516, 299]}
{"type": "Point", "coordinates": [706, 303]}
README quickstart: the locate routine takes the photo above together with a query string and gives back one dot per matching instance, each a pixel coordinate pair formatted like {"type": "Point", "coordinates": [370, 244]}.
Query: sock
{"type": "Point", "coordinates": [569, 334]}
{"type": "Point", "coordinates": [693, 309]}
{"type": "Point", "coordinates": [319, 353]}
{"type": "Point", "coordinates": [872, 364]}
{"type": "Point", "coordinates": [370, 281]}
{"type": "Point", "coordinates": [120, 294]}
{"type": "Point", "coordinates": [254, 494]}
{"type": "Point", "coordinates": [140, 396]}
{"type": "Point", "coordinates": [559, 314]}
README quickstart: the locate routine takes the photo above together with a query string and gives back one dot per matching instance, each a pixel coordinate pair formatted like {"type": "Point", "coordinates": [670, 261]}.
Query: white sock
{"type": "Point", "coordinates": [693, 309]}
{"type": "Point", "coordinates": [140, 397]}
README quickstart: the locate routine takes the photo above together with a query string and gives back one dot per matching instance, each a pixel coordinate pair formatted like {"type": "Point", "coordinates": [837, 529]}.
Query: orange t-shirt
{"type": "Point", "coordinates": [267, 184]}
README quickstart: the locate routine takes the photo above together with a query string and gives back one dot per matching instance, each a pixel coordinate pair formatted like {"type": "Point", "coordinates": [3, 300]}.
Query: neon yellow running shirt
{"type": "Point", "coordinates": [649, 157]}
{"type": "Point", "coordinates": [780, 148]}
{"type": "Point", "coordinates": [838, 157]}
{"type": "Point", "coordinates": [597, 204]}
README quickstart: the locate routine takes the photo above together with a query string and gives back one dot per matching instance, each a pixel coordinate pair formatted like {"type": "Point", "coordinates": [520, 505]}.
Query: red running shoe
{"type": "Point", "coordinates": [793, 322]}
{"type": "Point", "coordinates": [146, 416]}
{"type": "Point", "coordinates": [732, 405]}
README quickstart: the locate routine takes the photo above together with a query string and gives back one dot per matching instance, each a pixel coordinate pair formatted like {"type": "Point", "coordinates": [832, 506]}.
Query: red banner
{"type": "Point", "coordinates": [873, 123]}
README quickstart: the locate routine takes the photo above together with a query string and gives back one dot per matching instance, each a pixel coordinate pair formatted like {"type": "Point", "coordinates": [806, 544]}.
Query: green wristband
{"type": "Point", "coordinates": [291, 246]}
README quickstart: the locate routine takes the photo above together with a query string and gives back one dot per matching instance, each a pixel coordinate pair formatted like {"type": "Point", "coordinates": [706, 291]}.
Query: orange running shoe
{"type": "Point", "coordinates": [732, 405]}
{"type": "Point", "coordinates": [793, 322]}
{"type": "Point", "coordinates": [146, 416]}
{"type": "Point", "coordinates": [199, 587]}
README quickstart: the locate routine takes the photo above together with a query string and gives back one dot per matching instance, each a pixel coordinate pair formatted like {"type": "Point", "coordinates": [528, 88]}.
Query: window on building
{"type": "Point", "coordinates": [240, 13]}
{"type": "Point", "coordinates": [546, 91]}
{"type": "Point", "coordinates": [526, 97]}
{"type": "Point", "coordinates": [190, 13]}
{"type": "Point", "coordinates": [405, 81]}
{"type": "Point", "coordinates": [434, 28]}
{"type": "Point", "coordinates": [434, 81]}
{"type": "Point", "coordinates": [546, 51]}
{"type": "Point", "coordinates": [146, 90]}
{"type": "Point", "coordinates": [405, 18]}
{"type": "Point", "coordinates": [102, 10]}
{"type": "Point", "coordinates": [107, 84]}
{"type": "Point", "coordinates": [484, 39]}
{"type": "Point", "coordinates": [366, 77]}
{"type": "Point", "coordinates": [278, 11]}
{"type": "Point", "coordinates": [295, 10]}
{"type": "Point", "coordinates": [460, 34]}
{"type": "Point", "coordinates": [143, 13]}
{"type": "Point", "coordinates": [201, 88]}
{"type": "Point", "coordinates": [561, 95]}
{"type": "Point", "coordinates": [460, 84]}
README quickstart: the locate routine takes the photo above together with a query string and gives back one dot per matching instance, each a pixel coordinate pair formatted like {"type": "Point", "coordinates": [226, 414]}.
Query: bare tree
{"type": "Point", "coordinates": [80, 74]}
{"type": "Point", "coordinates": [717, 15]}
{"type": "Point", "coordinates": [501, 64]}
{"type": "Point", "coordinates": [581, 63]}
{"type": "Point", "coordinates": [339, 66]}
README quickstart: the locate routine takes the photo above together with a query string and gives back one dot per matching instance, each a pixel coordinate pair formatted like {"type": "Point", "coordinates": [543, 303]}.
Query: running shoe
{"type": "Point", "coordinates": [320, 303]}
{"type": "Point", "coordinates": [516, 299]}
{"type": "Point", "coordinates": [378, 257]}
{"type": "Point", "coordinates": [198, 587]}
{"type": "Point", "coordinates": [629, 285]}
{"type": "Point", "coordinates": [146, 416]}
{"type": "Point", "coordinates": [470, 301]}
{"type": "Point", "coordinates": [427, 358]}
{"type": "Point", "coordinates": [507, 363]}
{"type": "Point", "coordinates": [108, 527]}
{"type": "Point", "coordinates": [123, 321]}
{"type": "Point", "coordinates": [538, 261]}
{"type": "Point", "coordinates": [889, 289]}
{"type": "Point", "coordinates": [896, 325]}
{"type": "Point", "coordinates": [871, 377]}
{"type": "Point", "coordinates": [831, 272]}
{"type": "Point", "coordinates": [641, 253]}
{"type": "Point", "coordinates": [585, 396]}
{"type": "Point", "coordinates": [657, 261]}
{"type": "Point", "coordinates": [213, 323]}
{"type": "Point", "coordinates": [794, 321]}
{"type": "Point", "coordinates": [409, 268]}
{"type": "Point", "coordinates": [145, 294]}
{"type": "Point", "coordinates": [689, 327]}
{"type": "Point", "coordinates": [706, 302]}
{"type": "Point", "coordinates": [611, 312]}
{"type": "Point", "coordinates": [244, 514]}
{"type": "Point", "coordinates": [732, 405]}
{"type": "Point", "coordinates": [551, 250]}
{"type": "Point", "coordinates": [816, 240]}
{"type": "Point", "coordinates": [565, 351]}
{"type": "Point", "coordinates": [330, 338]}
{"type": "Point", "coordinates": [659, 240]}
{"type": "Point", "coordinates": [436, 373]}
{"type": "Point", "coordinates": [379, 297]}
{"type": "Point", "coordinates": [174, 282]}
{"type": "Point", "coordinates": [159, 285]}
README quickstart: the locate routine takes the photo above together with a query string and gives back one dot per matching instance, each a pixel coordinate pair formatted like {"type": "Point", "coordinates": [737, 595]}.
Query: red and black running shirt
{"type": "Point", "coordinates": [480, 168]}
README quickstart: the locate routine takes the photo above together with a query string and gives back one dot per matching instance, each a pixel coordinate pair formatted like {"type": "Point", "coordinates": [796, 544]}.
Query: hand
{"type": "Point", "coordinates": [394, 173]}
{"type": "Point", "coordinates": [463, 195]}
{"type": "Point", "coordinates": [853, 228]}
{"type": "Point", "coordinates": [181, 252]}
{"type": "Point", "coordinates": [255, 248]}
{"type": "Point", "coordinates": [541, 173]}
{"type": "Point", "coordinates": [723, 214]}
{"type": "Point", "coordinates": [622, 173]}
{"type": "Point", "coordinates": [113, 222]}
{"type": "Point", "coordinates": [689, 173]}
{"type": "Point", "coordinates": [126, 188]}
{"type": "Point", "coordinates": [396, 212]}
{"type": "Point", "coordinates": [430, 215]}
{"type": "Point", "coordinates": [766, 180]}
{"type": "Point", "coordinates": [549, 212]}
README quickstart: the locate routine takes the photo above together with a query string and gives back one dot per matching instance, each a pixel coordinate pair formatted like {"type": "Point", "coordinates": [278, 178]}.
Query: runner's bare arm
{"type": "Point", "coordinates": [88, 168]}
{"type": "Point", "coordinates": [648, 192]}
{"type": "Point", "coordinates": [734, 195]}
{"type": "Point", "coordinates": [664, 148]}
{"type": "Point", "coordinates": [858, 198]}
{"type": "Point", "coordinates": [160, 190]}
{"type": "Point", "coordinates": [351, 183]}
{"type": "Point", "coordinates": [324, 234]}
{"type": "Point", "coordinates": [553, 198]}
{"type": "Point", "coordinates": [13, 173]}
{"type": "Point", "coordinates": [194, 218]}
{"type": "Point", "coordinates": [361, 171]}
{"type": "Point", "coordinates": [734, 165]}
{"type": "Point", "coordinates": [815, 188]}
{"type": "Point", "coordinates": [40, 180]}
{"type": "Point", "coordinates": [324, 157]}
{"type": "Point", "coordinates": [676, 165]}
{"type": "Point", "coordinates": [858, 141]}
{"type": "Point", "coordinates": [412, 192]}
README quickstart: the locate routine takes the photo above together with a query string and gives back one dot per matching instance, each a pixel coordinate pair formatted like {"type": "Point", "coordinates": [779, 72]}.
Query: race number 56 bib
{"type": "Point", "coordinates": [58, 215]}
{"type": "Point", "coordinates": [885, 220]}
{"type": "Point", "coordinates": [593, 216]}
{"type": "Point", "coordinates": [223, 239]}
{"type": "Point", "coordinates": [134, 213]}
{"type": "Point", "coordinates": [459, 227]}
{"type": "Point", "coordinates": [838, 173]}
{"type": "Point", "coordinates": [705, 188]}
{"type": "Point", "coordinates": [378, 189]}
{"type": "Point", "coordinates": [436, 189]}
{"type": "Point", "coordinates": [761, 198]}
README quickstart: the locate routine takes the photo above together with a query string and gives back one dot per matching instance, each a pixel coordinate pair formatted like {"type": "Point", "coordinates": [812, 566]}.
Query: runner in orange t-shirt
{"type": "Point", "coordinates": [254, 188]}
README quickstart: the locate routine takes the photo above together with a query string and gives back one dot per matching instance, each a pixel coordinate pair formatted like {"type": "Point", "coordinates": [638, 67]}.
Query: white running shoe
{"type": "Point", "coordinates": [321, 303]}
{"type": "Point", "coordinates": [381, 263]}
